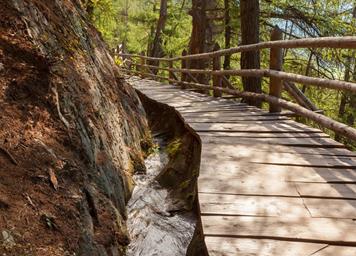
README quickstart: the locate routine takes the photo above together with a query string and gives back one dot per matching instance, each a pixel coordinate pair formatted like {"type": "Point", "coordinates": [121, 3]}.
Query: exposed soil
{"type": "Point", "coordinates": [35, 213]}
{"type": "Point", "coordinates": [63, 188]}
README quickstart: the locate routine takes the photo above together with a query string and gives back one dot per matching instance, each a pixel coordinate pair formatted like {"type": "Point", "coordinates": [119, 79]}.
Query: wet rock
{"type": "Point", "coordinates": [163, 216]}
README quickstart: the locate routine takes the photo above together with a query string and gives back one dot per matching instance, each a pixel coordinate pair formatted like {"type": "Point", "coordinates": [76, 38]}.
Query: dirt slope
{"type": "Point", "coordinates": [70, 134]}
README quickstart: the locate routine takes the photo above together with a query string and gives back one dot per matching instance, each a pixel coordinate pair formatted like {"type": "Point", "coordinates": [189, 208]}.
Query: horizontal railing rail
{"type": "Point", "coordinates": [279, 80]}
{"type": "Point", "coordinates": [313, 81]}
{"type": "Point", "coordinates": [348, 42]}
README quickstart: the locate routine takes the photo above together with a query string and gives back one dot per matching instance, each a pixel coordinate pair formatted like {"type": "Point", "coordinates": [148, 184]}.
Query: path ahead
{"type": "Point", "coordinates": [267, 185]}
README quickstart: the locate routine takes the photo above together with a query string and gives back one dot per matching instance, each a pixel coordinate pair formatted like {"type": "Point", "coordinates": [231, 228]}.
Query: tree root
{"type": "Point", "coordinates": [8, 154]}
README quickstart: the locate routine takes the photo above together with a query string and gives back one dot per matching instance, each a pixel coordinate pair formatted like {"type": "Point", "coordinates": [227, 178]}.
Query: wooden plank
{"type": "Point", "coordinates": [306, 142]}
{"type": "Point", "coordinates": [336, 251]}
{"type": "Point", "coordinates": [189, 103]}
{"type": "Point", "coordinates": [231, 108]}
{"type": "Point", "coordinates": [230, 170]}
{"type": "Point", "coordinates": [227, 111]}
{"type": "Point", "coordinates": [249, 185]}
{"type": "Point", "coordinates": [265, 134]}
{"type": "Point", "coordinates": [227, 246]}
{"type": "Point", "coordinates": [320, 175]}
{"type": "Point", "coordinates": [224, 114]}
{"type": "Point", "coordinates": [240, 119]}
{"type": "Point", "coordinates": [262, 148]}
{"type": "Point", "coordinates": [346, 191]}
{"type": "Point", "coordinates": [298, 229]}
{"type": "Point", "coordinates": [235, 112]}
{"type": "Point", "coordinates": [172, 99]}
{"type": "Point", "coordinates": [236, 127]}
{"type": "Point", "coordinates": [329, 208]}
{"type": "Point", "coordinates": [205, 105]}
{"type": "Point", "coordinates": [222, 204]}
{"type": "Point", "coordinates": [243, 154]}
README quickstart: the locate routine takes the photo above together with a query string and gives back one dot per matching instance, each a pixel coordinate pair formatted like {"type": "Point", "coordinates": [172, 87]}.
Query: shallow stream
{"type": "Point", "coordinates": [153, 229]}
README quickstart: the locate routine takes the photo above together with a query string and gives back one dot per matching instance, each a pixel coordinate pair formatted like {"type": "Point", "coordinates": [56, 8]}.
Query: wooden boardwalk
{"type": "Point", "coordinates": [267, 185]}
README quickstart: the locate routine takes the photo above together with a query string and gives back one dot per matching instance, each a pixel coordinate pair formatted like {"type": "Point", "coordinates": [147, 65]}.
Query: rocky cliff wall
{"type": "Point", "coordinates": [71, 132]}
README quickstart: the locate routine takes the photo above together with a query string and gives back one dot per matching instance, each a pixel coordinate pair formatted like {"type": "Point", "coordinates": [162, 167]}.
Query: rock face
{"type": "Point", "coordinates": [71, 132]}
{"type": "Point", "coordinates": [164, 216]}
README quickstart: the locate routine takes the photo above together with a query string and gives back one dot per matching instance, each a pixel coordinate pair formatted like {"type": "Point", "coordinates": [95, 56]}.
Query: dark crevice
{"type": "Point", "coordinates": [91, 206]}
{"type": "Point", "coordinates": [165, 201]}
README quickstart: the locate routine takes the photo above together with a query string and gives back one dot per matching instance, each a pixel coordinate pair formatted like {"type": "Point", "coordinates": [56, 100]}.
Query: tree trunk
{"type": "Point", "coordinates": [156, 48]}
{"type": "Point", "coordinates": [90, 9]}
{"type": "Point", "coordinates": [250, 11]}
{"type": "Point", "coordinates": [197, 40]}
{"type": "Point", "coordinates": [227, 33]}
{"type": "Point", "coordinates": [347, 107]}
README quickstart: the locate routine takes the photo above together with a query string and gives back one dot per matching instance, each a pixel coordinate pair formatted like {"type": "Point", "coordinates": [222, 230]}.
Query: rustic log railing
{"type": "Point", "coordinates": [279, 80]}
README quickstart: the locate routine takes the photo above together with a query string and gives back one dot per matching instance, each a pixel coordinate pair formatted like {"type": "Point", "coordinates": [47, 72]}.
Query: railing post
{"type": "Point", "coordinates": [171, 74]}
{"type": "Point", "coordinates": [142, 63]}
{"type": "Point", "coordinates": [217, 79]}
{"type": "Point", "coordinates": [183, 76]}
{"type": "Point", "coordinates": [276, 62]}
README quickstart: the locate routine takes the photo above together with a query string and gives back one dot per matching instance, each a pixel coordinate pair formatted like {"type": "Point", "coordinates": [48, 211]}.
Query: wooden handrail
{"type": "Point", "coordinates": [347, 42]}
{"type": "Point", "coordinates": [321, 82]}
{"type": "Point", "coordinates": [278, 78]}
{"type": "Point", "coordinates": [327, 122]}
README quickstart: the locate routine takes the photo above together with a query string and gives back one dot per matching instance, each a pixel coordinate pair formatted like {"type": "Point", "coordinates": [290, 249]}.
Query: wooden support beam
{"type": "Point", "coordinates": [217, 81]}
{"type": "Point", "coordinates": [276, 62]}
{"type": "Point", "coordinates": [184, 65]}
{"type": "Point", "coordinates": [227, 83]}
{"type": "Point", "coordinates": [142, 64]}
{"type": "Point", "coordinates": [299, 96]}
{"type": "Point", "coordinates": [170, 72]}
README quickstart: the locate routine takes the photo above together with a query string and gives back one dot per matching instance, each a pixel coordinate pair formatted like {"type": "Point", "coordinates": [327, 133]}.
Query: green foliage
{"type": "Point", "coordinates": [133, 22]}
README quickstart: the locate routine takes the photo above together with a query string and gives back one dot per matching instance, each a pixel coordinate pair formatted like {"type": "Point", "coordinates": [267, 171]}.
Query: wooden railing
{"type": "Point", "coordinates": [279, 80]}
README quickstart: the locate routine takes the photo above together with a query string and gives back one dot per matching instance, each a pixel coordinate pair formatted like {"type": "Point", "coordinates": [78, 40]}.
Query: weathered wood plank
{"type": "Point", "coordinates": [236, 127]}
{"type": "Point", "coordinates": [242, 154]}
{"type": "Point", "coordinates": [263, 149]}
{"type": "Point", "coordinates": [336, 251]}
{"type": "Point", "coordinates": [246, 186]}
{"type": "Point", "coordinates": [347, 191]}
{"type": "Point", "coordinates": [222, 204]}
{"type": "Point", "coordinates": [266, 134]}
{"type": "Point", "coordinates": [240, 119]}
{"type": "Point", "coordinates": [297, 229]}
{"type": "Point", "coordinates": [227, 246]}
{"type": "Point", "coordinates": [329, 208]}
{"type": "Point", "coordinates": [306, 142]}
{"type": "Point", "coordinates": [230, 170]}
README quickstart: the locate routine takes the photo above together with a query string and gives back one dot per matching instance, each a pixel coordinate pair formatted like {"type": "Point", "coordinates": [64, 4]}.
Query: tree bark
{"type": "Point", "coordinates": [156, 48]}
{"type": "Point", "coordinates": [90, 9]}
{"type": "Point", "coordinates": [197, 40]}
{"type": "Point", "coordinates": [250, 11]}
{"type": "Point", "coordinates": [227, 33]}
{"type": "Point", "coordinates": [347, 107]}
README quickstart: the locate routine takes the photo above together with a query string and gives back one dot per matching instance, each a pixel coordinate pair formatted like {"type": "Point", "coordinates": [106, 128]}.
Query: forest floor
{"type": "Point", "coordinates": [37, 196]}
